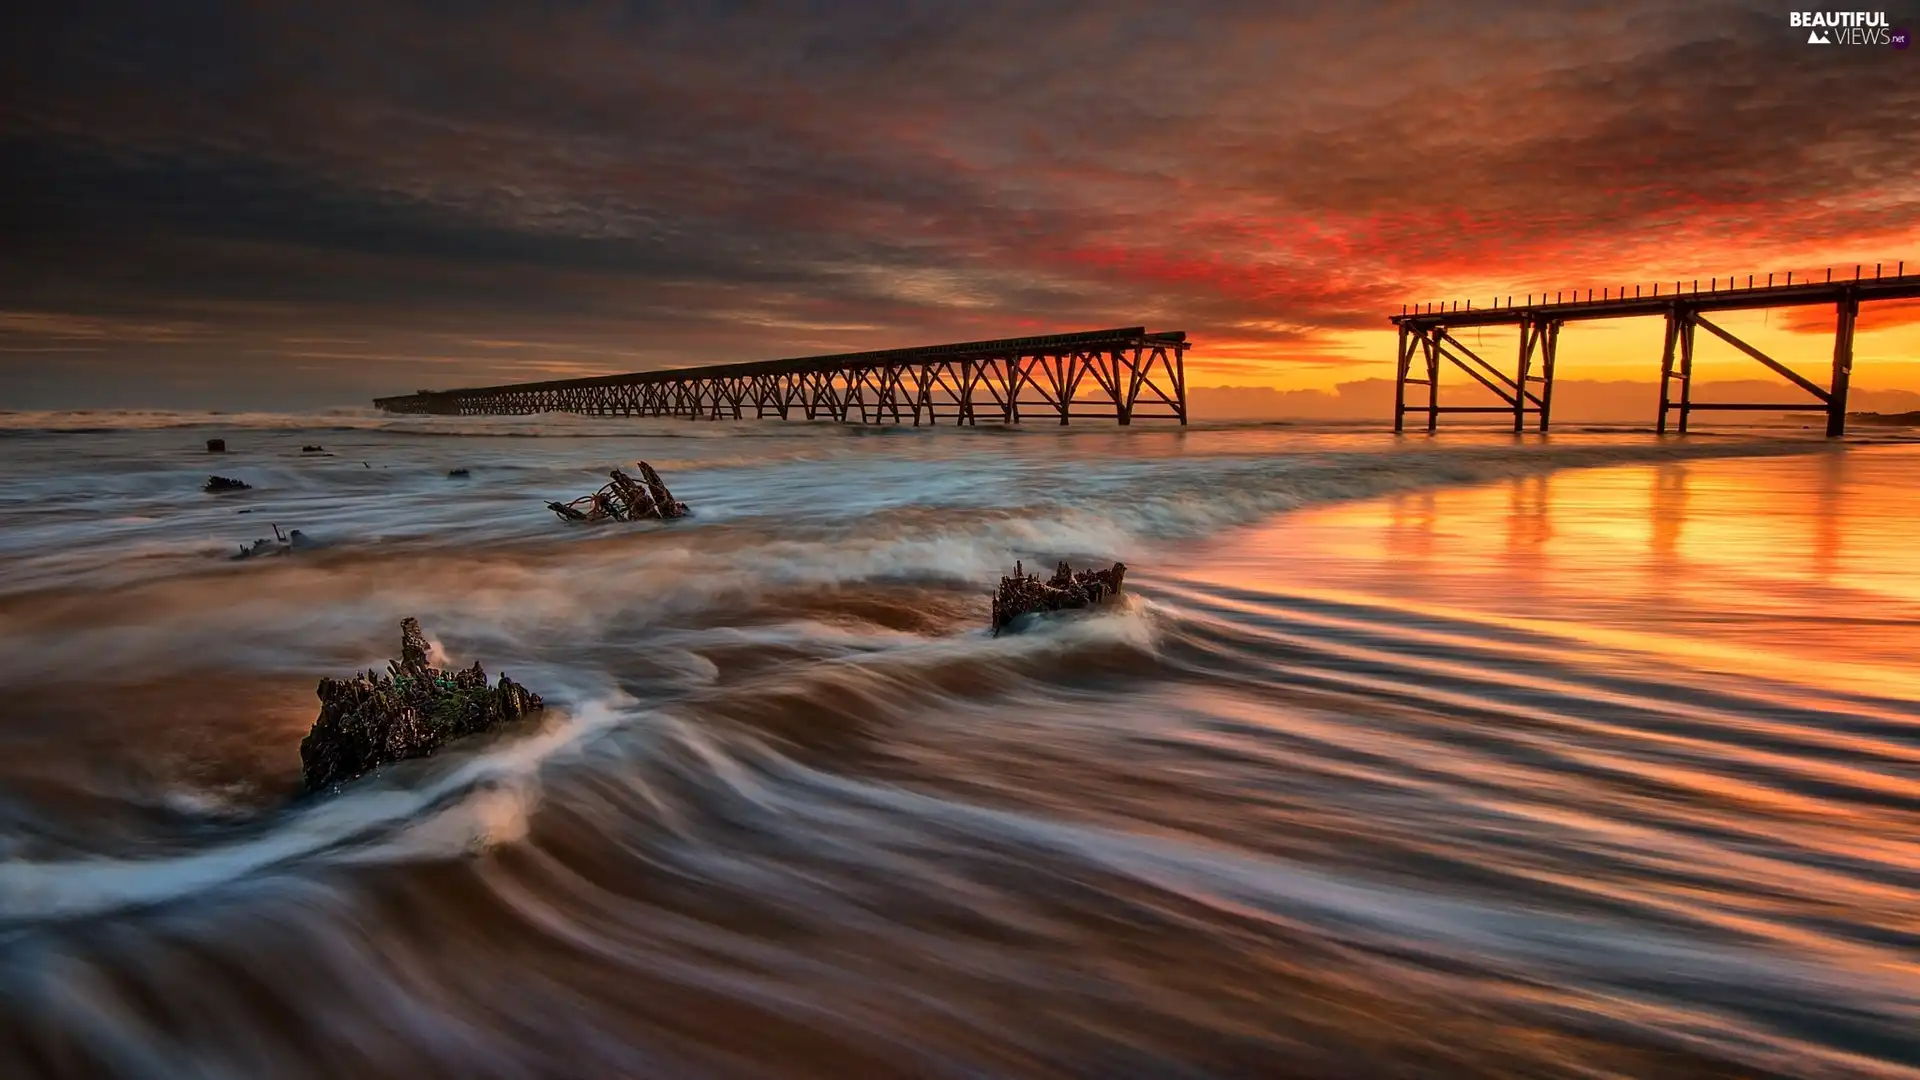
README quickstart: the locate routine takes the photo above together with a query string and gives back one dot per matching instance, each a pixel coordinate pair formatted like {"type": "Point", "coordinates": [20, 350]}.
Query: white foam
{"type": "Point", "coordinates": [486, 800]}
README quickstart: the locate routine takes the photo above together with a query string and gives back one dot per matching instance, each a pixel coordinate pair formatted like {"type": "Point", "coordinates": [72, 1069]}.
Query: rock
{"type": "Point", "coordinates": [625, 499]}
{"type": "Point", "coordinates": [1024, 593]}
{"type": "Point", "coordinates": [313, 448]}
{"type": "Point", "coordinates": [216, 446]}
{"type": "Point", "coordinates": [459, 473]}
{"type": "Point", "coordinates": [411, 711]}
{"type": "Point", "coordinates": [218, 484]}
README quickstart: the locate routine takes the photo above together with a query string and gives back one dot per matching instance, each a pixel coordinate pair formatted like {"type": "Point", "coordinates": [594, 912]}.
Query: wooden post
{"type": "Point", "coordinates": [1528, 327]}
{"type": "Point", "coordinates": [1431, 340]}
{"type": "Point", "coordinates": [1686, 369]}
{"type": "Point", "coordinates": [1066, 369]}
{"type": "Point", "coordinates": [1666, 368]}
{"type": "Point", "coordinates": [1548, 346]}
{"type": "Point", "coordinates": [1403, 359]}
{"type": "Point", "coordinates": [1848, 309]}
{"type": "Point", "coordinates": [1180, 380]}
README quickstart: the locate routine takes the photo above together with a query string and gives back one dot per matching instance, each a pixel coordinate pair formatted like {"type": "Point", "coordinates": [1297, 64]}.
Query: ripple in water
{"type": "Point", "coordinates": [1455, 759]}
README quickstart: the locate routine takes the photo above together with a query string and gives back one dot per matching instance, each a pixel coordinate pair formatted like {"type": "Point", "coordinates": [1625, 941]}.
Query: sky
{"type": "Point", "coordinates": [271, 205]}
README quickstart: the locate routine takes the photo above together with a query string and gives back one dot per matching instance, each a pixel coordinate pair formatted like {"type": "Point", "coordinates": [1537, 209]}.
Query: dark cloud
{"type": "Point", "coordinates": [480, 190]}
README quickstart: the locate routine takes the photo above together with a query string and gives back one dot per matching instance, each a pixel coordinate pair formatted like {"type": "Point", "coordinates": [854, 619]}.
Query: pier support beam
{"type": "Point", "coordinates": [1539, 338]}
{"type": "Point", "coordinates": [1688, 320]}
{"type": "Point", "coordinates": [1423, 342]}
{"type": "Point", "coordinates": [1848, 311]}
{"type": "Point", "coordinates": [1429, 330]}
{"type": "Point", "coordinates": [1681, 323]}
{"type": "Point", "coordinates": [1402, 356]}
{"type": "Point", "coordinates": [1676, 366]}
{"type": "Point", "coordinates": [1430, 345]}
{"type": "Point", "coordinates": [1549, 346]}
{"type": "Point", "coordinates": [1666, 367]}
{"type": "Point", "coordinates": [1434, 343]}
{"type": "Point", "coordinates": [1522, 371]}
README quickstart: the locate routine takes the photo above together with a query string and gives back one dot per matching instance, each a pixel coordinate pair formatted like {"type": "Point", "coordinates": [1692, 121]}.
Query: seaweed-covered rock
{"type": "Point", "coordinates": [1025, 593]}
{"type": "Point", "coordinates": [218, 484]}
{"type": "Point", "coordinates": [625, 499]}
{"type": "Point", "coordinates": [411, 711]}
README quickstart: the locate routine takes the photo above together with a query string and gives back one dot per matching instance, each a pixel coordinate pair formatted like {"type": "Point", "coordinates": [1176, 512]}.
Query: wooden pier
{"type": "Point", "coordinates": [1123, 375]}
{"type": "Point", "coordinates": [1426, 335]}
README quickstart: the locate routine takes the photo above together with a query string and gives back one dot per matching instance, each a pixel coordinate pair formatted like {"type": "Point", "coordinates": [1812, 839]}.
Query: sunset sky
{"type": "Point", "coordinates": [279, 206]}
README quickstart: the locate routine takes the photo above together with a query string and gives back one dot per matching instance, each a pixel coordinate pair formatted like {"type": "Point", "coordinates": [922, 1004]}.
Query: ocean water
{"type": "Point", "coordinates": [1476, 756]}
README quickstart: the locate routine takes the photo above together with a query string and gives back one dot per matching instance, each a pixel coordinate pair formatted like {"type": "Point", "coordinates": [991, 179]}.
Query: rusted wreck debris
{"type": "Point", "coordinates": [1025, 593]}
{"type": "Point", "coordinates": [625, 499]}
{"type": "Point", "coordinates": [409, 712]}
{"type": "Point", "coordinates": [282, 544]}
{"type": "Point", "coordinates": [218, 484]}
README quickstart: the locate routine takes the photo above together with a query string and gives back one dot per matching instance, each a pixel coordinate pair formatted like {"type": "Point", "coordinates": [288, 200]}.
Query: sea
{"type": "Point", "coordinates": [1476, 755]}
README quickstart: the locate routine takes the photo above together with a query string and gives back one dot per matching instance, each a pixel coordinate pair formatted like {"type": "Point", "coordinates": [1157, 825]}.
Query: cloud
{"type": "Point", "coordinates": [632, 185]}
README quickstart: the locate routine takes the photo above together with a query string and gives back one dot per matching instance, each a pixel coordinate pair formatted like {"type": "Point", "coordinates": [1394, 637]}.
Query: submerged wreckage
{"type": "Point", "coordinates": [625, 499]}
{"type": "Point", "coordinates": [1024, 593]}
{"type": "Point", "coordinates": [283, 543]}
{"type": "Point", "coordinates": [409, 712]}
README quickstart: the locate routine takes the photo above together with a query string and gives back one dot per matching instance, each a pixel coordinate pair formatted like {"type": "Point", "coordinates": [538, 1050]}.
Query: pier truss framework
{"type": "Point", "coordinates": [1427, 345]}
{"type": "Point", "coordinates": [1123, 375]}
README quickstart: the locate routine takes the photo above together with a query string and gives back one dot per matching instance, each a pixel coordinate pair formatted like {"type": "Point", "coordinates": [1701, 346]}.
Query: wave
{"type": "Point", "coordinates": [483, 793]}
{"type": "Point", "coordinates": [794, 809]}
{"type": "Point", "coordinates": [484, 800]}
{"type": "Point", "coordinates": [153, 599]}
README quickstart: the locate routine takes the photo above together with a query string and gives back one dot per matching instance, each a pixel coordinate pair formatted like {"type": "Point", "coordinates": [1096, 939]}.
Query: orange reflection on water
{"type": "Point", "coordinates": [1792, 568]}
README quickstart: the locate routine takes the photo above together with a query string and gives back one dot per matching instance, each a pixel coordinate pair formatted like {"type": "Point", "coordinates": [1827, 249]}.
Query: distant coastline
{"type": "Point", "coordinates": [1901, 419]}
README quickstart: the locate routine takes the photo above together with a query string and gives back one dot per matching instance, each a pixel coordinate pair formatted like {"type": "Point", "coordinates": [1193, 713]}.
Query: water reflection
{"type": "Point", "coordinates": [1666, 519]}
{"type": "Point", "coordinates": [1771, 565]}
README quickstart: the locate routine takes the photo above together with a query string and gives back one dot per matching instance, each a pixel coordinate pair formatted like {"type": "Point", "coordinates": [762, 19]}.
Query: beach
{"type": "Point", "coordinates": [1472, 756]}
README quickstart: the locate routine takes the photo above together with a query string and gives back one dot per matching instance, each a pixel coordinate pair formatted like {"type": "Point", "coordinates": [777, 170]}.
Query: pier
{"type": "Point", "coordinates": [1427, 338]}
{"type": "Point", "coordinates": [1122, 375]}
